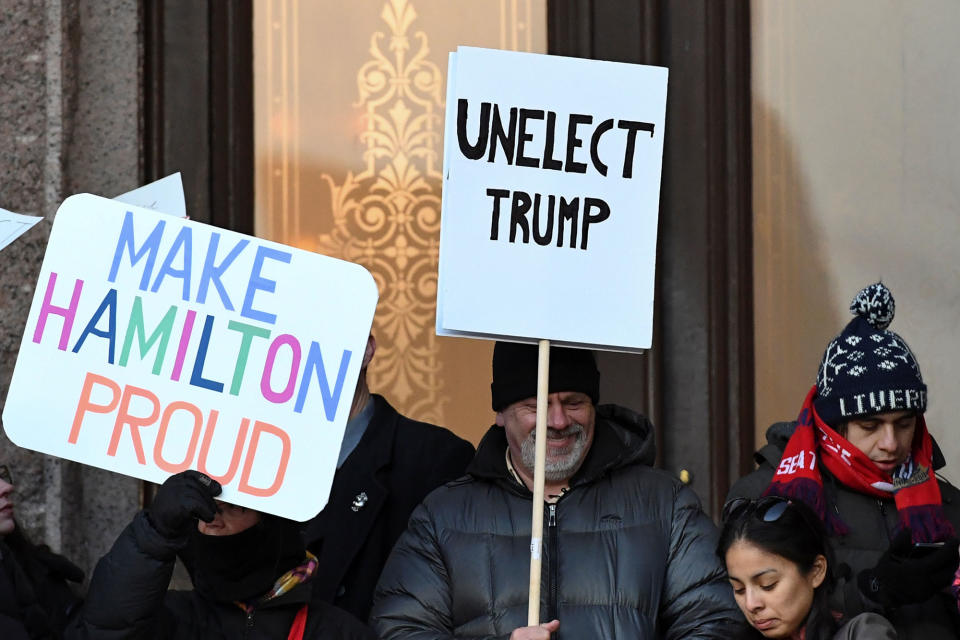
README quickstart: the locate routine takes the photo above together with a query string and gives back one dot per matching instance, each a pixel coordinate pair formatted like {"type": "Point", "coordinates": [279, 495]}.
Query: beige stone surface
{"type": "Point", "coordinates": [856, 174]}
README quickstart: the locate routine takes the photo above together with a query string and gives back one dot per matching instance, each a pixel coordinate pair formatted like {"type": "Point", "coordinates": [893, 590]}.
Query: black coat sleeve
{"type": "Point", "coordinates": [129, 584]}
{"type": "Point", "coordinates": [698, 601]}
{"type": "Point", "coordinates": [21, 617]}
{"type": "Point", "coordinates": [413, 597]}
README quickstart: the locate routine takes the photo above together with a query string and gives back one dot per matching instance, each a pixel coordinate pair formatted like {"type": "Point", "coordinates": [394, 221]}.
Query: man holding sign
{"type": "Point", "coordinates": [627, 553]}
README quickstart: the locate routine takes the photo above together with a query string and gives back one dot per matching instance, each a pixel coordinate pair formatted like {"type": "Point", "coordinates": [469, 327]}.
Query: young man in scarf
{"type": "Point", "coordinates": [860, 455]}
{"type": "Point", "coordinates": [251, 573]}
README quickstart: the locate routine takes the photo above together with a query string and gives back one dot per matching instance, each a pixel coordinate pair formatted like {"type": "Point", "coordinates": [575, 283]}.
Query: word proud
{"type": "Point", "coordinates": [200, 433]}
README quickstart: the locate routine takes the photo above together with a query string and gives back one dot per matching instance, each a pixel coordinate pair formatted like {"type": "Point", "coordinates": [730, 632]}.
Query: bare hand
{"type": "Point", "coordinates": [535, 633]}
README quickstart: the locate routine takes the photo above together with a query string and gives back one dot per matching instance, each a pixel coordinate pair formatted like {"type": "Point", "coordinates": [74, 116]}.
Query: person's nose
{"type": "Point", "coordinates": [888, 439]}
{"type": "Point", "coordinates": [556, 415]}
{"type": "Point", "coordinates": [753, 600]}
{"type": "Point", "coordinates": [5, 488]}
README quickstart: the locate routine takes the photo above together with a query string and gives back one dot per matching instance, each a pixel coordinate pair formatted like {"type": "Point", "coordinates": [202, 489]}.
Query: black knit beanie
{"type": "Point", "coordinates": [515, 372]}
{"type": "Point", "coordinates": [868, 369]}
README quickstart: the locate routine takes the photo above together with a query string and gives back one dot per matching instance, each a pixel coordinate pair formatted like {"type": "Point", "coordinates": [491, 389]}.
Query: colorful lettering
{"type": "Point", "coordinates": [197, 379]}
{"type": "Point", "coordinates": [150, 248]}
{"type": "Point", "coordinates": [287, 393]}
{"type": "Point", "coordinates": [259, 283]}
{"type": "Point", "coordinates": [68, 313]}
{"type": "Point", "coordinates": [168, 412]}
{"type": "Point", "coordinates": [212, 272]}
{"type": "Point", "coordinates": [182, 244]}
{"type": "Point", "coordinates": [85, 405]}
{"type": "Point", "coordinates": [260, 428]}
{"type": "Point", "coordinates": [135, 329]}
{"type": "Point", "coordinates": [315, 365]}
{"type": "Point", "coordinates": [249, 332]}
{"type": "Point", "coordinates": [125, 418]}
{"type": "Point", "coordinates": [109, 306]}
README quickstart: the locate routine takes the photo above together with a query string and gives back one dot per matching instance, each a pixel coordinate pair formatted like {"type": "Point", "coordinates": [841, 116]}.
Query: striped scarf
{"type": "Point", "coordinates": [284, 584]}
{"type": "Point", "coordinates": [913, 487]}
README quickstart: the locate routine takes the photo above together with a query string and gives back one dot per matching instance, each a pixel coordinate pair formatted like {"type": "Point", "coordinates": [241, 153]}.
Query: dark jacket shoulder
{"type": "Point", "coordinates": [628, 549]}
{"type": "Point", "coordinates": [397, 462]}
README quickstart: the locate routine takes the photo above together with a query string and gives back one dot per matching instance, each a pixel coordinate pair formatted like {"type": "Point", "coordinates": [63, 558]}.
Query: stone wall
{"type": "Point", "coordinates": [70, 121]}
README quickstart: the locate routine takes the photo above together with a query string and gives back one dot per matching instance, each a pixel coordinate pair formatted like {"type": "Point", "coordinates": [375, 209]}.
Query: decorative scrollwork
{"type": "Point", "coordinates": [387, 216]}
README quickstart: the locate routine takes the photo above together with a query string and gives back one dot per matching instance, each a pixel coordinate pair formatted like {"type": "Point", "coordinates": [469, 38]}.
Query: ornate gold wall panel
{"type": "Point", "coordinates": [349, 125]}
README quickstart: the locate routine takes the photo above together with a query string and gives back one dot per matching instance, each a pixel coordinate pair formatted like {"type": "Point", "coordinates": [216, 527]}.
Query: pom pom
{"type": "Point", "coordinates": [875, 305]}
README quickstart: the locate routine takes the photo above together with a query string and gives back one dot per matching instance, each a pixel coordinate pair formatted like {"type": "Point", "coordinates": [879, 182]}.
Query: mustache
{"type": "Point", "coordinates": [573, 430]}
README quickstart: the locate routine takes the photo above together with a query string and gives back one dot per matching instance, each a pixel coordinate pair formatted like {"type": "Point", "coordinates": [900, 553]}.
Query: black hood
{"type": "Point", "coordinates": [621, 437]}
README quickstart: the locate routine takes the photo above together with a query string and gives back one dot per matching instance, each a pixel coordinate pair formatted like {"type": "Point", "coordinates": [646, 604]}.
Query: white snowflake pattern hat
{"type": "Point", "coordinates": [868, 369]}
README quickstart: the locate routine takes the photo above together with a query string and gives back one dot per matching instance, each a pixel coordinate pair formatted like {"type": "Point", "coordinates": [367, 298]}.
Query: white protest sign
{"type": "Point", "coordinates": [551, 188]}
{"type": "Point", "coordinates": [13, 225]}
{"type": "Point", "coordinates": [156, 344]}
{"type": "Point", "coordinates": [164, 195]}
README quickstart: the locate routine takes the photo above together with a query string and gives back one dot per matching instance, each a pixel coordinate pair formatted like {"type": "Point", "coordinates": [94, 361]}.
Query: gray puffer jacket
{"type": "Point", "coordinates": [872, 522]}
{"type": "Point", "coordinates": [628, 552]}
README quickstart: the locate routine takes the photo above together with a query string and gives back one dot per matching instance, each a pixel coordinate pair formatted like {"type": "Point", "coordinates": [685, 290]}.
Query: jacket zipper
{"type": "Point", "coordinates": [249, 624]}
{"type": "Point", "coordinates": [554, 561]}
{"type": "Point", "coordinates": [883, 518]}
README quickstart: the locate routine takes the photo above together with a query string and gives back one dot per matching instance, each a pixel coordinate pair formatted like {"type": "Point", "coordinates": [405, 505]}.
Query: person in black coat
{"type": "Point", "coordinates": [860, 454]}
{"type": "Point", "coordinates": [35, 599]}
{"type": "Point", "coordinates": [627, 550]}
{"type": "Point", "coordinates": [252, 577]}
{"type": "Point", "coordinates": [388, 464]}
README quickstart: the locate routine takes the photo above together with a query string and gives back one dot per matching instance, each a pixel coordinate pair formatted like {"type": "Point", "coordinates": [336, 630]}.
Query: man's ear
{"type": "Point", "coordinates": [500, 421]}
{"type": "Point", "coordinates": [369, 351]}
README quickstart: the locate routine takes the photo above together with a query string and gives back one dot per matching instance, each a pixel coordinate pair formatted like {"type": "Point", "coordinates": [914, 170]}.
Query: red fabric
{"type": "Point", "coordinates": [798, 476]}
{"type": "Point", "coordinates": [299, 625]}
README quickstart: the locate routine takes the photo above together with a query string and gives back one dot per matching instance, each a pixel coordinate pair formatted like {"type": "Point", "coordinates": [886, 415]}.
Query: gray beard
{"type": "Point", "coordinates": [566, 461]}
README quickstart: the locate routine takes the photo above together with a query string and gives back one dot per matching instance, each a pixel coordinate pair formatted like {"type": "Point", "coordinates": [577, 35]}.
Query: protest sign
{"type": "Point", "coordinates": [13, 225]}
{"type": "Point", "coordinates": [551, 187]}
{"type": "Point", "coordinates": [156, 344]}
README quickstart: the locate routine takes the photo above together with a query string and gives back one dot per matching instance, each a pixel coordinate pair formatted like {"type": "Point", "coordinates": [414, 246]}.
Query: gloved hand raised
{"type": "Point", "coordinates": [182, 499]}
{"type": "Point", "coordinates": [906, 574]}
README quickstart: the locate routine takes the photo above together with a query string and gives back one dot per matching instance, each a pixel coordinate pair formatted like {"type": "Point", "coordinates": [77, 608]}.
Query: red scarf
{"type": "Point", "coordinates": [915, 490]}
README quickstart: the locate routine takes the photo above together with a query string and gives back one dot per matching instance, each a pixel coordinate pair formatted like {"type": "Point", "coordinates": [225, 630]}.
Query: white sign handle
{"type": "Point", "coordinates": [536, 535]}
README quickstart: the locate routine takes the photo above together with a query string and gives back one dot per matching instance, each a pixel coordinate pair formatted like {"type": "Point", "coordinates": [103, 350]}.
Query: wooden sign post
{"type": "Point", "coordinates": [536, 535]}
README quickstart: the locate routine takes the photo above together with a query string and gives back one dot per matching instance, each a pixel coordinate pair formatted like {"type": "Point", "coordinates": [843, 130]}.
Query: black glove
{"type": "Point", "coordinates": [182, 499]}
{"type": "Point", "coordinates": [907, 575]}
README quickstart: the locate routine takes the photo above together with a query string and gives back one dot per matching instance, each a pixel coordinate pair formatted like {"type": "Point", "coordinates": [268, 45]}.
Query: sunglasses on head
{"type": "Point", "coordinates": [5, 474]}
{"type": "Point", "coordinates": [766, 509]}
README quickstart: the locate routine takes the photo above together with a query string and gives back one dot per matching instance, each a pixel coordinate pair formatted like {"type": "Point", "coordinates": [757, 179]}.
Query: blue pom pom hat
{"type": "Point", "coordinates": [868, 369]}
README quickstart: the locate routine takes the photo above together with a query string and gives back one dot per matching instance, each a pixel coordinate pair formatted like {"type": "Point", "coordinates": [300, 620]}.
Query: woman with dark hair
{"type": "Point", "coordinates": [779, 564]}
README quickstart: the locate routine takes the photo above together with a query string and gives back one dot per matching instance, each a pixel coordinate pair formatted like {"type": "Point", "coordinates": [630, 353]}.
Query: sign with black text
{"type": "Point", "coordinates": [551, 188]}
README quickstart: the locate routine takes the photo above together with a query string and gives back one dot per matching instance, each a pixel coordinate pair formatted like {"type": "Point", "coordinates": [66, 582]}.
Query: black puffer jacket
{"type": "Point", "coordinates": [21, 616]}
{"type": "Point", "coordinates": [128, 599]}
{"type": "Point", "coordinates": [872, 522]}
{"type": "Point", "coordinates": [49, 575]}
{"type": "Point", "coordinates": [628, 552]}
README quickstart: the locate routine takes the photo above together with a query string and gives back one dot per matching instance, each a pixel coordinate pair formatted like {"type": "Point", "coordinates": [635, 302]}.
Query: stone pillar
{"type": "Point", "coordinates": [70, 121]}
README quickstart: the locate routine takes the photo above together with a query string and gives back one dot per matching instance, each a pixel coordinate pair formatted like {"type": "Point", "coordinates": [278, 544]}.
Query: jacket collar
{"type": "Point", "coordinates": [356, 498]}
